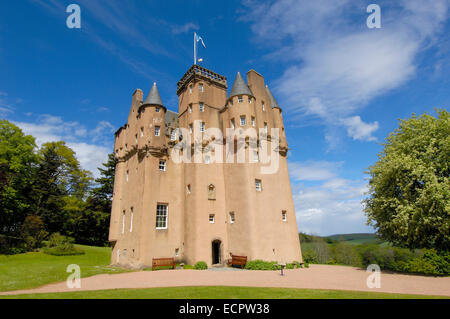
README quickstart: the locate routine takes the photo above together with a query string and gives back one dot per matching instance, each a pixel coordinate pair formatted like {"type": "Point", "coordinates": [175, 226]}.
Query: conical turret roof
{"type": "Point", "coordinates": [273, 102]}
{"type": "Point", "coordinates": [240, 87]}
{"type": "Point", "coordinates": [153, 98]}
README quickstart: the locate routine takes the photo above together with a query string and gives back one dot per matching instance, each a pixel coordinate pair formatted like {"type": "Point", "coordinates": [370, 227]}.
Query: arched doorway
{"type": "Point", "coordinates": [216, 245]}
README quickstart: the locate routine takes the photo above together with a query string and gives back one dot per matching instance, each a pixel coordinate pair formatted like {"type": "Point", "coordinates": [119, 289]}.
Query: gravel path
{"type": "Point", "coordinates": [315, 277]}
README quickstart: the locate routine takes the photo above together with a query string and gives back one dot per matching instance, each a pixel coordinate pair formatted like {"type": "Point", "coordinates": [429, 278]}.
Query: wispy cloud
{"type": "Point", "coordinates": [91, 146]}
{"type": "Point", "coordinates": [178, 29]}
{"type": "Point", "coordinates": [335, 64]}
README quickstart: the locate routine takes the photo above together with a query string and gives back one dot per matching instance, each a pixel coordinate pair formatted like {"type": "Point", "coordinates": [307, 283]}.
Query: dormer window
{"type": "Point", "coordinates": [157, 109]}
{"type": "Point", "coordinates": [240, 99]}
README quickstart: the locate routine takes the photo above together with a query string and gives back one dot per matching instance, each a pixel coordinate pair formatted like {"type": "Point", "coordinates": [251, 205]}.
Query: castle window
{"type": "Point", "coordinates": [190, 128]}
{"type": "Point", "coordinates": [212, 218]}
{"type": "Point", "coordinates": [284, 216]}
{"type": "Point", "coordinates": [135, 136]}
{"type": "Point", "coordinates": [188, 189]}
{"type": "Point", "coordinates": [142, 131]}
{"type": "Point", "coordinates": [127, 176]}
{"type": "Point", "coordinates": [255, 156]}
{"type": "Point", "coordinates": [240, 99]}
{"type": "Point", "coordinates": [265, 127]}
{"type": "Point", "coordinates": [202, 126]}
{"type": "Point", "coordinates": [190, 89]}
{"type": "Point", "coordinates": [263, 107]}
{"type": "Point", "coordinates": [232, 123]}
{"type": "Point", "coordinates": [200, 87]}
{"type": "Point", "coordinates": [201, 107]}
{"type": "Point", "coordinates": [162, 165]}
{"type": "Point", "coordinates": [161, 216]}
{"type": "Point", "coordinates": [123, 222]}
{"type": "Point", "coordinates": [126, 147]}
{"type": "Point", "coordinates": [230, 103]}
{"type": "Point", "coordinates": [157, 109]}
{"type": "Point", "coordinates": [258, 185]}
{"type": "Point", "coordinates": [173, 135]}
{"type": "Point", "coordinates": [211, 192]}
{"type": "Point", "coordinates": [177, 252]}
{"type": "Point", "coordinates": [190, 108]}
{"type": "Point", "coordinates": [157, 130]}
{"type": "Point", "coordinates": [232, 218]}
{"type": "Point", "coordinates": [131, 220]}
{"type": "Point", "coordinates": [243, 120]}
{"type": "Point", "coordinates": [253, 121]}
{"type": "Point", "coordinates": [249, 100]}
{"type": "Point", "coordinates": [207, 159]}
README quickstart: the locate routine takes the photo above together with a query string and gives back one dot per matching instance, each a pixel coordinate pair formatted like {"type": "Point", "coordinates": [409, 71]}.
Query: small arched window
{"type": "Point", "coordinates": [211, 192]}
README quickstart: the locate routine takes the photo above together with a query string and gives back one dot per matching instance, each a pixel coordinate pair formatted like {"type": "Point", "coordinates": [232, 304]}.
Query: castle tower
{"type": "Point", "coordinates": [211, 205]}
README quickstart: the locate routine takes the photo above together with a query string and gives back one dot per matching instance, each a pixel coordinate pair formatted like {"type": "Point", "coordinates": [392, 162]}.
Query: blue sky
{"type": "Point", "coordinates": [342, 86]}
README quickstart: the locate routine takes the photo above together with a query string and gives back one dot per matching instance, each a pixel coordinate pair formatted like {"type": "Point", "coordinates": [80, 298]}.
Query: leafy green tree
{"type": "Point", "coordinates": [409, 188]}
{"type": "Point", "coordinates": [89, 221]}
{"type": "Point", "coordinates": [17, 162]}
{"type": "Point", "coordinates": [59, 175]}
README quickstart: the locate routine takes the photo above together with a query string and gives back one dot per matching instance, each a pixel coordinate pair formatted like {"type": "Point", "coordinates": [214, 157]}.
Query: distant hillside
{"type": "Point", "coordinates": [356, 239]}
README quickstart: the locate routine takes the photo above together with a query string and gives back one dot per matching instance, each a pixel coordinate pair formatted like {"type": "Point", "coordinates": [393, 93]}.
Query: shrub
{"type": "Point", "coordinates": [306, 265]}
{"type": "Point", "coordinates": [431, 263]}
{"type": "Point", "coordinates": [188, 267]}
{"type": "Point", "coordinates": [259, 264]}
{"type": "Point", "coordinates": [290, 266]}
{"type": "Point", "coordinates": [200, 265]}
{"type": "Point", "coordinates": [59, 245]}
{"type": "Point", "coordinates": [33, 233]}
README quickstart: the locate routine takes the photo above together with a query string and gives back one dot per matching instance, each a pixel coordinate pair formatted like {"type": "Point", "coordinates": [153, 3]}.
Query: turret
{"type": "Point", "coordinates": [277, 120]}
{"type": "Point", "coordinates": [151, 130]}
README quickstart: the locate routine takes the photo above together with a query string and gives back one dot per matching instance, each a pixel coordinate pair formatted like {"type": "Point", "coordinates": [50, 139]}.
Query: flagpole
{"type": "Point", "coordinates": [195, 48]}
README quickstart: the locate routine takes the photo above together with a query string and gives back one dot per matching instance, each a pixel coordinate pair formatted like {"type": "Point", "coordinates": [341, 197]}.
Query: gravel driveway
{"type": "Point", "coordinates": [315, 277]}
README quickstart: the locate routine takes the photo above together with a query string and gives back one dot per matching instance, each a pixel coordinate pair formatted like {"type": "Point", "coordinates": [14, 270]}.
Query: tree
{"type": "Point", "coordinates": [409, 187]}
{"type": "Point", "coordinates": [59, 175]}
{"type": "Point", "coordinates": [89, 223]}
{"type": "Point", "coordinates": [17, 162]}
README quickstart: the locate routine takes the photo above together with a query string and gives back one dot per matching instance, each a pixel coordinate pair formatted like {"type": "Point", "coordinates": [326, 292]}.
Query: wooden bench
{"type": "Point", "coordinates": [237, 260]}
{"type": "Point", "coordinates": [161, 262]}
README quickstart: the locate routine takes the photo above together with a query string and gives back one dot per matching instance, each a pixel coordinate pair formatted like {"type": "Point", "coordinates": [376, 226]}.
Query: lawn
{"type": "Point", "coordinates": [32, 270]}
{"type": "Point", "coordinates": [218, 292]}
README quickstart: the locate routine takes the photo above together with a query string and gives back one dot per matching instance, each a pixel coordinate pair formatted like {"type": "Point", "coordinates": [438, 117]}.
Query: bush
{"type": "Point", "coordinates": [431, 263]}
{"type": "Point", "coordinates": [33, 233]}
{"type": "Point", "coordinates": [58, 245]}
{"type": "Point", "coordinates": [201, 265]}
{"type": "Point", "coordinates": [259, 264]}
{"type": "Point", "coordinates": [188, 267]}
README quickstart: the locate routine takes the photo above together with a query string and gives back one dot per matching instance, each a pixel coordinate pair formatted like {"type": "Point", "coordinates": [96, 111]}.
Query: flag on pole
{"type": "Point", "coordinates": [200, 39]}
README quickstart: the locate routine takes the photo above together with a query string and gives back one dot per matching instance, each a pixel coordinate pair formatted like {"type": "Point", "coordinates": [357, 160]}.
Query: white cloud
{"type": "Point", "coordinates": [335, 64]}
{"type": "Point", "coordinates": [334, 207]}
{"type": "Point", "coordinates": [91, 154]}
{"type": "Point", "coordinates": [313, 170]}
{"type": "Point", "coordinates": [359, 130]}
{"type": "Point", "coordinates": [178, 29]}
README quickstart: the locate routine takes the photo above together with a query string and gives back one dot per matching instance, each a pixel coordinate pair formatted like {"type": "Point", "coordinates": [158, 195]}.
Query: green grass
{"type": "Point", "coordinates": [32, 270]}
{"type": "Point", "coordinates": [357, 239]}
{"type": "Point", "coordinates": [218, 292]}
